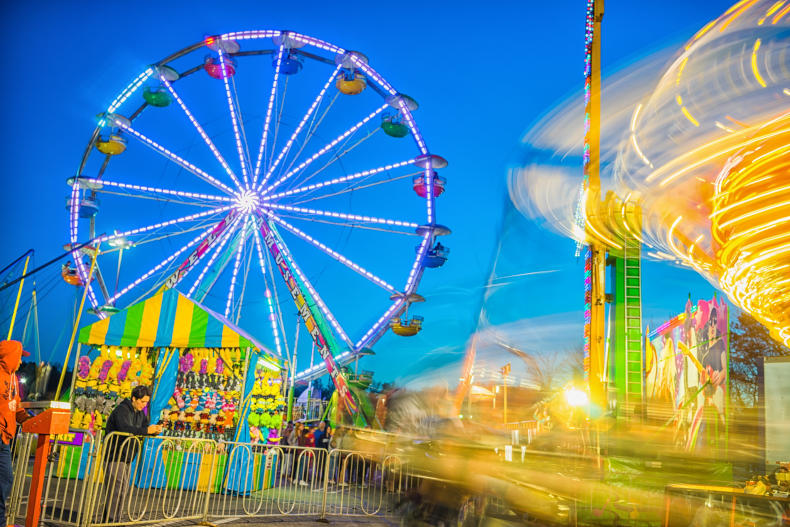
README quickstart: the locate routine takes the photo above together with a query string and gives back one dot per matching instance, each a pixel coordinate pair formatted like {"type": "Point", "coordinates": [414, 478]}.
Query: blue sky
{"type": "Point", "coordinates": [481, 72]}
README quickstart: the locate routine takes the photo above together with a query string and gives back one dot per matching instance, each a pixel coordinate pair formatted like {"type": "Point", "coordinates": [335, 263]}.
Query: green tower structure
{"type": "Point", "coordinates": [626, 369]}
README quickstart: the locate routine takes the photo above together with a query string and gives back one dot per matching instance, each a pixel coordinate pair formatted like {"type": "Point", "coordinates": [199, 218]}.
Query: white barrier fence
{"type": "Point", "coordinates": [127, 480]}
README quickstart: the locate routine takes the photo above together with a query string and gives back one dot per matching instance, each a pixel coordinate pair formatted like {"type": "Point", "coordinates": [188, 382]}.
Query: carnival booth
{"type": "Point", "coordinates": [200, 366]}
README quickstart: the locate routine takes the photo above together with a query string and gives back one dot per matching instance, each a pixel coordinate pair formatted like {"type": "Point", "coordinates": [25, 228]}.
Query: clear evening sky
{"type": "Point", "coordinates": [481, 71]}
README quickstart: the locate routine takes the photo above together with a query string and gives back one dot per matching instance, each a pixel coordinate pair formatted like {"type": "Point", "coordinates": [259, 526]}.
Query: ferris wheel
{"type": "Point", "coordinates": [263, 174]}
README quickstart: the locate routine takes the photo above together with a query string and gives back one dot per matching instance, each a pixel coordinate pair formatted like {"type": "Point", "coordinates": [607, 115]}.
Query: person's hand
{"type": "Point", "coordinates": [154, 430]}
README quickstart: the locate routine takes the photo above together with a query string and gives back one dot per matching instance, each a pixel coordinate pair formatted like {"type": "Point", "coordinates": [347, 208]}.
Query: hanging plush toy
{"type": "Point", "coordinates": [212, 420]}
{"type": "Point", "coordinates": [76, 418]}
{"type": "Point", "coordinates": [274, 436]}
{"type": "Point", "coordinates": [83, 370]}
{"type": "Point", "coordinates": [255, 434]}
{"type": "Point", "coordinates": [172, 419]}
{"type": "Point", "coordinates": [147, 375]}
{"type": "Point", "coordinates": [185, 364]}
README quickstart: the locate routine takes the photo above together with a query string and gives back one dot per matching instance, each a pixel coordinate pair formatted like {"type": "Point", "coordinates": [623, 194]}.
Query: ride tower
{"type": "Point", "coordinates": [610, 228]}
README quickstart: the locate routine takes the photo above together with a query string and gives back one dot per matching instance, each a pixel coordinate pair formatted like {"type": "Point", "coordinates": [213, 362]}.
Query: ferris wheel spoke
{"type": "Point", "coordinates": [155, 198]}
{"type": "Point", "coordinates": [339, 180]}
{"type": "Point", "coordinates": [345, 216]}
{"type": "Point", "coordinates": [201, 131]}
{"type": "Point", "coordinates": [350, 224]}
{"type": "Point", "coordinates": [205, 289]}
{"type": "Point", "coordinates": [325, 149]}
{"type": "Point", "coordinates": [214, 255]}
{"type": "Point", "coordinates": [267, 292]}
{"type": "Point", "coordinates": [160, 225]}
{"type": "Point", "coordinates": [316, 122]}
{"type": "Point", "coordinates": [346, 190]}
{"type": "Point", "coordinates": [332, 253]}
{"type": "Point", "coordinates": [337, 157]}
{"type": "Point", "coordinates": [101, 183]}
{"type": "Point", "coordinates": [183, 163]}
{"type": "Point", "coordinates": [268, 119]}
{"type": "Point", "coordinates": [300, 126]}
{"type": "Point", "coordinates": [145, 276]}
{"type": "Point", "coordinates": [236, 266]}
{"type": "Point", "coordinates": [325, 311]}
{"type": "Point", "coordinates": [232, 107]}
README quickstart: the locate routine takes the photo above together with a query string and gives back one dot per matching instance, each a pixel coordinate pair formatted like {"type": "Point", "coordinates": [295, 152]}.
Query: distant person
{"type": "Point", "coordinates": [287, 452]}
{"type": "Point", "coordinates": [127, 418]}
{"type": "Point", "coordinates": [321, 436]}
{"type": "Point", "coordinates": [11, 413]}
{"type": "Point", "coordinates": [293, 441]}
{"type": "Point", "coordinates": [321, 440]}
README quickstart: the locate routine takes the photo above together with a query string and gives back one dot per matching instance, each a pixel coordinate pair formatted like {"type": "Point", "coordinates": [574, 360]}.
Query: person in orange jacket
{"type": "Point", "coordinates": [11, 412]}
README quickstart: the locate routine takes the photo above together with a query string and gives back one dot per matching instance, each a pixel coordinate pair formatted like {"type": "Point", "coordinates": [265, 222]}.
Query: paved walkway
{"type": "Point", "coordinates": [307, 521]}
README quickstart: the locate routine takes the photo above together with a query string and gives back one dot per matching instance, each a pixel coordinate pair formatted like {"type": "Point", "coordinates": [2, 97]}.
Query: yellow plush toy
{"type": "Point", "coordinates": [76, 418]}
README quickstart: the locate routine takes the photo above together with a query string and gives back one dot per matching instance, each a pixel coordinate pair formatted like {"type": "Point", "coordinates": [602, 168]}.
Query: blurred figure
{"type": "Point", "coordinates": [11, 412]}
{"type": "Point", "coordinates": [288, 454]}
{"type": "Point", "coordinates": [321, 440]}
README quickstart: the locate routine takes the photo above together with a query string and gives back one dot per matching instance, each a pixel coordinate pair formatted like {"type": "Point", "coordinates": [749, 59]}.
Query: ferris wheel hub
{"type": "Point", "coordinates": [247, 201]}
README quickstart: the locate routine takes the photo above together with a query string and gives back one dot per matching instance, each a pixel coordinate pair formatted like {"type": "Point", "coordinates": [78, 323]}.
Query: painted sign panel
{"type": "Point", "coordinates": [686, 367]}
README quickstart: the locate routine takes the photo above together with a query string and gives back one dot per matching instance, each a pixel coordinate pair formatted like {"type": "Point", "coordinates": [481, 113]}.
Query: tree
{"type": "Point", "coordinates": [750, 342]}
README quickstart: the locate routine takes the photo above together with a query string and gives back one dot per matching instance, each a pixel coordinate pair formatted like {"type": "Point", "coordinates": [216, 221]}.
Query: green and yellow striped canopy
{"type": "Point", "coordinates": [168, 319]}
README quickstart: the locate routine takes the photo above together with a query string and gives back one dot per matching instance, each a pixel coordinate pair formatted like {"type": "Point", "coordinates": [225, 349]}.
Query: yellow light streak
{"type": "Point", "coordinates": [770, 11]}
{"type": "Point", "coordinates": [713, 156]}
{"type": "Point", "coordinates": [749, 3]}
{"type": "Point", "coordinates": [689, 116]}
{"type": "Point", "coordinates": [754, 64]}
{"type": "Point", "coordinates": [725, 128]}
{"type": "Point", "coordinates": [633, 117]}
{"type": "Point", "coordinates": [680, 71]}
{"type": "Point", "coordinates": [748, 200]}
{"type": "Point", "coordinates": [711, 145]}
{"type": "Point", "coordinates": [780, 14]}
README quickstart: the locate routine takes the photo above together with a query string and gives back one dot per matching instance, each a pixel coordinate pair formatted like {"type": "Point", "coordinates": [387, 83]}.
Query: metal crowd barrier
{"type": "Point", "coordinates": [712, 505]}
{"type": "Point", "coordinates": [21, 447]}
{"type": "Point", "coordinates": [127, 480]}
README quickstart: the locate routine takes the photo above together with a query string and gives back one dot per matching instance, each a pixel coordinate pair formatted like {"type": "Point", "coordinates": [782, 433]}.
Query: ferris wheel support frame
{"type": "Point", "coordinates": [312, 318]}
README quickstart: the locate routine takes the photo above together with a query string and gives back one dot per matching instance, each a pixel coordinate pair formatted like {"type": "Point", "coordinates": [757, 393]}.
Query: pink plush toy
{"type": "Point", "coordinates": [105, 370]}
{"type": "Point", "coordinates": [124, 371]}
{"type": "Point", "coordinates": [186, 362]}
{"type": "Point", "coordinates": [179, 398]}
{"type": "Point", "coordinates": [84, 367]}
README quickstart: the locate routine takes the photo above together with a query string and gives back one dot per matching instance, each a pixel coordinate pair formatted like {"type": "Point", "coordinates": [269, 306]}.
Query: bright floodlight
{"type": "Point", "coordinates": [576, 397]}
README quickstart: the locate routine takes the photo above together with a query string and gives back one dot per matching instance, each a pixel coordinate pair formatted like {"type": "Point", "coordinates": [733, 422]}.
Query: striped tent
{"type": "Point", "coordinates": [169, 319]}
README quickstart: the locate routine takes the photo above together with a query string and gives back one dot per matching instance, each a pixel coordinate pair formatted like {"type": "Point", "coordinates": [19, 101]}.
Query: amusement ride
{"type": "Point", "coordinates": [272, 177]}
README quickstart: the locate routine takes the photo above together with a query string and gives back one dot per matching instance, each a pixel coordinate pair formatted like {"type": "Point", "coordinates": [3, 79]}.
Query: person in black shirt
{"type": "Point", "coordinates": [321, 437]}
{"type": "Point", "coordinates": [120, 450]}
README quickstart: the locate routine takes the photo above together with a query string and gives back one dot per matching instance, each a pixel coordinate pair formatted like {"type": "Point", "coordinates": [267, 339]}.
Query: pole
{"type": "Point", "coordinates": [469, 399]}
{"type": "Point", "coordinates": [76, 323]}
{"type": "Point", "coordinates": [596, 259]}
{"type": "Point", "coordinates": [35, 324]}
{"type": "Point", "coordinates": [18, 296]}
{"type": "Point", "coordinates": [504, 406]}
{"type": "Point", "coordinates": [505, 372]}
{"type": "Point", "coordinates": [47, 264]}
{"type": "Point", "coordinates": [293, 373]}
